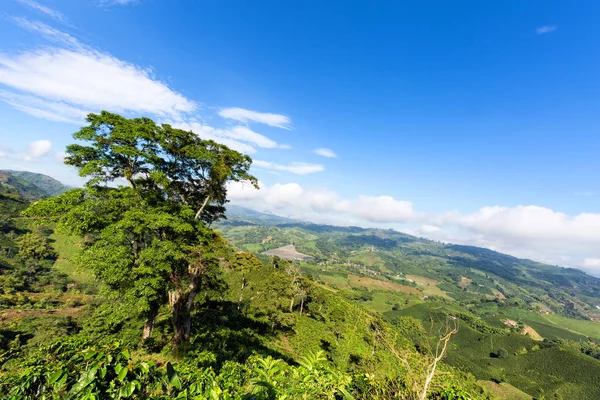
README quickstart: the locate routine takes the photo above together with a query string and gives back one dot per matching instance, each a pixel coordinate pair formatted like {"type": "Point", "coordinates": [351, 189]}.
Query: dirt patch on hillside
{"type": "Point", "coordinates": [288, 253]}
{"type": "Point", "coordinates": [465, 282]}
{"type": "Point", "coordinates": [421, 280]}
{"type": "Point", "coordinates": [377, 284]}
{"type": "Point", "coordinates": [529, 331]}
{"type": "Point", "coordinates": [11, 315]}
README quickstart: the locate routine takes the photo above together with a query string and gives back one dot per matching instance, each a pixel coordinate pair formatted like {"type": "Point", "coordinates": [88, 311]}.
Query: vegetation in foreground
{"type": "Point", "coordinates": [125, 292]}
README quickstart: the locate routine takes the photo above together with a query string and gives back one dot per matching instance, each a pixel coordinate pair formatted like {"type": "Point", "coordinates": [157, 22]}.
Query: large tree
{"type": "Point", "coordinates": [151, 192]}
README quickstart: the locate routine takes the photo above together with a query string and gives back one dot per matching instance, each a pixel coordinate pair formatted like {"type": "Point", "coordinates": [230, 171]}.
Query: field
{"type": "Point", "coordinates": [357, 281]}
{"type": "Point", "coordinates": [531, 366]}
{"type": "Point", "coordinates": [505, 390]}
{"type": "Point", "coordinates": [551, 326]}
{"type": "Point", "coordinates": [287, 253]}
{"type": "Point", "coordinates": [67, 247]}
{"type": "Point", "coordinates": [399, 275]}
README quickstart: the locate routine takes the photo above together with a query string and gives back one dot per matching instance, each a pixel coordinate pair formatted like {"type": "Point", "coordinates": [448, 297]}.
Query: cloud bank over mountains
{"type": "Point", "coordinates": [532, 232]}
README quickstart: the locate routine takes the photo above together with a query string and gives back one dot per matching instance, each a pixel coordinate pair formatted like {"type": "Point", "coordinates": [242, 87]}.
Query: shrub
{"type": "Point", "coordinates": [502, 353]}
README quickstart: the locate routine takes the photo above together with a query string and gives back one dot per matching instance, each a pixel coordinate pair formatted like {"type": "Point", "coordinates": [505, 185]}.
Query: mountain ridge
{"type": "Point", "coordinates": [566, 291]}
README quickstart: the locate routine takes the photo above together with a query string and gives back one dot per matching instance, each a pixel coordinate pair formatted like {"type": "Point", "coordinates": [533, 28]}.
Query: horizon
{"type": "Point", "coordinates": [472, 124]}
{"type": "Point", "coordinates": [366, 227]}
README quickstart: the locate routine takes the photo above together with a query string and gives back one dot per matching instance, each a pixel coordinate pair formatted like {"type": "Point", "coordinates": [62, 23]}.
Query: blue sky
{"type": "Point", "coordinates": [472, 122]}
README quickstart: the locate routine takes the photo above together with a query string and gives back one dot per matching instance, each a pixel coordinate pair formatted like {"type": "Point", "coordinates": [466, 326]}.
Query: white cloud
{"type": "Point", "coordinates": [378, 209]}
{"type": "Point", "coordinates": [44, 9]}
{"type": "Point", "coordinates": [297, 168]}
{"type": "Point", "coordinates": [318, 204]}
{"type": "Point", "coordinates": [50, 33]}
{"type": "Point", "coordinates": [546, 29]}
{"type": "Point", "coordinates": [38, 149]}
{"type": "Point", "coordinates": [218, 135]}
{"type": "Point", "coordinates": [67, 81]}
{"type": "Point", "coordinates": [429, 229]}
{"type": "Point", "coordinates": [325, 152]}
{"type": "Point", "coordinates": [47, 109]}
{"type": "Point", "coordinates": [243, 115]}
{"type": "Point", "coordinates": [533, 224]}
{"type": "Point", "coordinates": [239, 138]}
{"type": "Point", "coordinates": [246, 135]}
{"type": "Point", "coordinates": [533, 232]}
{"type": "Point", "coordinates": [60, 156]}
{"type": "Point", "coordinates": [116, 2]}
{"type": "Point", "coordinates": [592, 263]}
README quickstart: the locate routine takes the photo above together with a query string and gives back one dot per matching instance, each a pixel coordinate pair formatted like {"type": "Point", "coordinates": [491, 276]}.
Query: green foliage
{"type": "Point", "coordinates": [34, 246]}
{"type": "Point", "coordinates": [146, 241]}
{"type": "Point", "coordinates": [502, 353]}
{"type": "Point", "coordinates": [73, 369]}
{"type": "Point", "coordinates": [144, 256]}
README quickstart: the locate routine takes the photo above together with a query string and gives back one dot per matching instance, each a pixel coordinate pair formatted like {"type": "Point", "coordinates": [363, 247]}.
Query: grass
{"type": "Point", "coordinates": [588, 328]}
{"type": "Point", "coordinates": [531, 366]}
{"type": "Point", "coordinates": [551, 326]}
{"type": "Point", "coordinates": [422, 280]}
{"type": "Point", "coordinates": [338, 281]}
{"type": "Point", "coordinates": [428, 286]}
{"type": "Point", "coordinates": [68, 247]}
{"type": "Point", "coordinates": [384, 300]}
{"type": "Point", "coordinates": [505, 391]}
{"type": "Point", "coordinates": [371, 283]}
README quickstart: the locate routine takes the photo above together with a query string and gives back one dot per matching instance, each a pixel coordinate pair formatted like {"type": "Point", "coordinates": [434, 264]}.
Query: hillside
{"type": "Point", "coordinates": [312, 347]}
{"type": "Point", "coordinates": [127, 292]}
{"type": "Point", "coordinates": [461, 272]}
{"type": "Point", "coordinates": [356, 311]}
{"type": "Point", "coordinates": [552, 310]}
{"type": "Point", "coordinates": [30, 185]}
{"type": "Point", "coordinates": [13, 185]}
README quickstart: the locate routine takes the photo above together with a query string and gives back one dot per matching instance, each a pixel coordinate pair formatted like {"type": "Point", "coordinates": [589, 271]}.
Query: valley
{"type": "Point", "coordinates": [544, 317]}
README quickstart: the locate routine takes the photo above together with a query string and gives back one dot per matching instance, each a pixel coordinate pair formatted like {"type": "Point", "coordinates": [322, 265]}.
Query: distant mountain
{"type": "Point", "coordinates": [238, 214]}
{"type": "Point", "coordinates": [464, 272]}
{"type": "Point", "coordinates": [34, 186]}
{"type": "Point", "coordinates": [15, 186]}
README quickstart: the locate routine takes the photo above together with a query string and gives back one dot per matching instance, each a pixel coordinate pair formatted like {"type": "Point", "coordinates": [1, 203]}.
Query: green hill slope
{"type": "Point", "coordinates": [31, 185]}
{"type": "Point", "coordinates": [489, 274]}
{"type": "Point", "coordinates": [553, 309]}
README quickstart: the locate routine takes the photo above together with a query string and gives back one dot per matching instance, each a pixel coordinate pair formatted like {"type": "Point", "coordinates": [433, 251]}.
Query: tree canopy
{"type": "Point", "coordinates": [151, 191]}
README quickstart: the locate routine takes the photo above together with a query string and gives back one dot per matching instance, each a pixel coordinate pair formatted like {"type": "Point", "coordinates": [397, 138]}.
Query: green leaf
{"type": "Point", "coordinates": [86, 378]}
{"type": "Point", "coordinates": [55, 376]}
{"type": "Point", "coordinates": [121, 371]}
{"type": "Point", "coordinates": [144, 367]}
{"type": "Point", "coordinates": [127, 390]}
{"type": "Point", "coordinates": [172, 376]}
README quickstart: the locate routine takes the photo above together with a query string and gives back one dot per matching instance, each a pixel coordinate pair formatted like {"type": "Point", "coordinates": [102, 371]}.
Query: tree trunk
{"type": "Point", "coordinates": [202, 208]}
{"type": "Point", "coordinates": [292, 304]}
{"type": "Point", "coordinates": [181, 307]}
{"type": "Point", "coordinates": [149, 324]}
{"type": "Point", "coordinates": [301, 305]}
{"type": "Point", "coordinates": [241, 293]}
